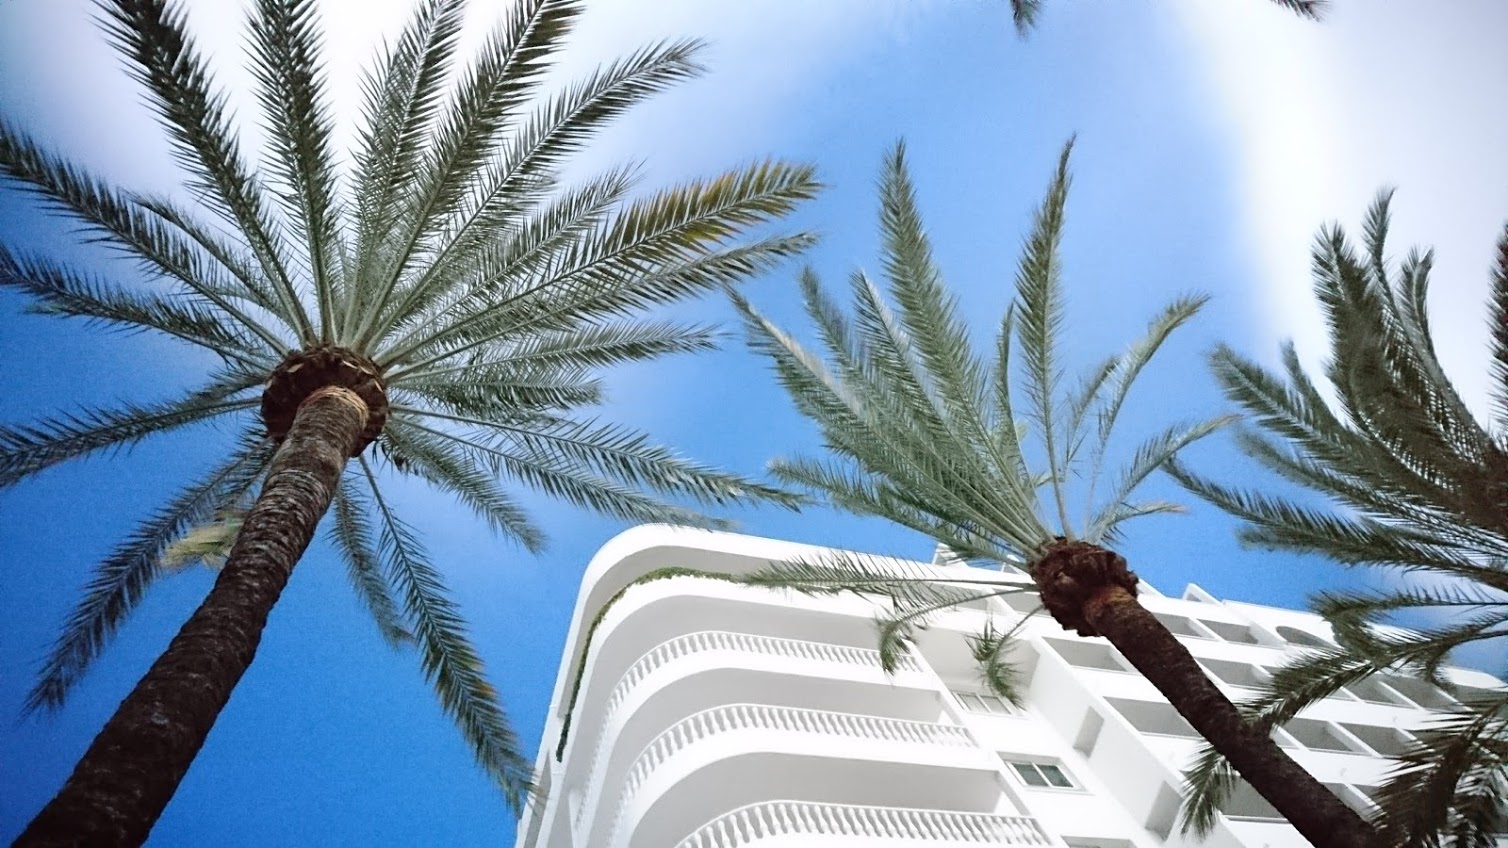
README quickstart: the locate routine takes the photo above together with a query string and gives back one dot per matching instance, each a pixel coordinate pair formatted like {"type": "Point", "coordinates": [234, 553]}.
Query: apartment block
{"type": "Point", "coordinates": [694, 712]}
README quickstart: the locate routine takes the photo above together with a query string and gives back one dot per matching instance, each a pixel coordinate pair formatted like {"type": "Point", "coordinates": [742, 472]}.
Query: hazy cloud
{"type": "Point", "coordinates": [1320, 117]}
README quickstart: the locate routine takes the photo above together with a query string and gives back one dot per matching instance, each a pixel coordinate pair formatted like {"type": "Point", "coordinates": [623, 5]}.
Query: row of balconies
{"type": "Point", "coordinates": [663, 758]}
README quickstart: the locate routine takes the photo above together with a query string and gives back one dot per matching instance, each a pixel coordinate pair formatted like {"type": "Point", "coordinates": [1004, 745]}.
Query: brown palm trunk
{"type": "Point", "coordinates": [1087, 588]}
{"type": "Point", "coordinates": [133, 767]}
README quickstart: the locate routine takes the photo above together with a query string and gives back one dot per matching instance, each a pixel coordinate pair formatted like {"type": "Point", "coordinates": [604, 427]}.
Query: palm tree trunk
{"type": "Point", "coordinates": [1314, 810]}
{"type": "Point", "coordinates": [1089, 589]}
{"type": "Point", "coordinates": [133, 767]}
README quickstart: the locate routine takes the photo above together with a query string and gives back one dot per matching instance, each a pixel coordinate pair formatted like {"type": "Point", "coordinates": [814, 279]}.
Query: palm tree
{"type": "Point", "coordinates": [1024, 13]}
{"type": "Point", "coordinates": [449, 302]}
{"type": "Point", "coordinates": [1422, 488]}
{"type": "Point", "coordinates": [925, 432]}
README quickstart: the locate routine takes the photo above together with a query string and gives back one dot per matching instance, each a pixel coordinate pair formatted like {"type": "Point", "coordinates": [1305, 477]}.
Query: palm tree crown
{"type": "Point", "coordinates": [925, 432]}
{"type": "Point", "coordinates": [1421, 487]}
{"type": "Point", "coordinates": [452, 279]}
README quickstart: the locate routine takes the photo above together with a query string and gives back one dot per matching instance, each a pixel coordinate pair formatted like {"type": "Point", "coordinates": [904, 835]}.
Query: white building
{"type": "Point", "coordinates": [713, 715]}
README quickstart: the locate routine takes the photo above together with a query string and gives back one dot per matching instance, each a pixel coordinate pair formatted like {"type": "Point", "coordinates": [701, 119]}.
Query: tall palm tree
{"type": "Point", "coordinates": [923, 431]}
{"type": "Point", "coordinates": [447, 304]}
{"type": "Point", "coordinates": [1422, 488]}
{"type": "Point", "coordinates": [1024, 13]}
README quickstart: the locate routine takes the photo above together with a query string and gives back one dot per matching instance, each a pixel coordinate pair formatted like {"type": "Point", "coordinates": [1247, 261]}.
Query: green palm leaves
{"type": "Point", "coordinates": [1421, 487]}
{"type": "Point", "coordinates": [1025, 13]}
{"type": "Point", "coordinates": [924, 431]}
{"type": "Point", "coordinates": [453, 253]}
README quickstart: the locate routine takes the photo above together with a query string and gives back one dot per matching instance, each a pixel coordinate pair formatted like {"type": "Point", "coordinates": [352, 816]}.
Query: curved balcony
{"type": "Point", "coordinates": [774, 822]}
{"type": "Point", "coordinates": [819, 653]}
{"type": "Point", "coordinates": [872, 733]}
{"type": "Point", "coordinates": [722, 640]}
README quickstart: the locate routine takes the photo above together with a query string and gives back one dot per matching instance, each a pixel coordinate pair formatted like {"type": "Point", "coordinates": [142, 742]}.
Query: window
{"type": "Point", "coordinates": [1232, 632]}
{"type": "Point", "coordinates": [1041, 775]}
{"type": "Point", "coordinates": [983, 703]}
{"type": "Point", "coordinates": [1088, 654]}
{"type": "Point", "coordinates": [1301, 637]}
{"type": "Point", "coordinates": [1234, 673]}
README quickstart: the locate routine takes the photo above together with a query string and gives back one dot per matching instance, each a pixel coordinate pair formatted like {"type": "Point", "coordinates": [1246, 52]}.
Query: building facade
{"type": "Point", "coordinates": [692, 712]}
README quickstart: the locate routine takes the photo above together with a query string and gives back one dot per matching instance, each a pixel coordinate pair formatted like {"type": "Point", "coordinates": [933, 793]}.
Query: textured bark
{"type": "Point", "coordinates": [1098, 580]}
{"type": "Point", "coordinates": [133, 767]}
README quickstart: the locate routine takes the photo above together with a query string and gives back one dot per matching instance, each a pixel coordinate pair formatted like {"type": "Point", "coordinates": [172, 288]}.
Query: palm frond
{"type": "Point", "coordinates": [564, 479]}
{"type": "Point", "coordinates": [127, 223]}
{"type": "Point", "coordinates": [865, 417]}
{"type": "Point", "coordinates": [524, 172]}
{"type": "Point", "coordinates": [505, 74]}
{"type": "Point", "coordinates": [162, 56]}
{"type": "Point", "coordinates": [594, 346]}
{"type": "Point", "coordinates": [351, 533]}
{"type": "Point", "coordinates": [285, 46]}
{"type": "Point", "coordinates": [1154, 453]}
{"type": "Point", "coordinates": [431, 456]}
{"type": "Point", "coordinates": [1498, 305]}
{"type": "Point", "coordinates": [1024, 15]}
{"type": "Point", "coordinates": [447, 656]}
{"type": "Point", "coordinates": [29, 448]}
{"type": "Point", "coordinates": [1277, 524]}
{"type": "Point", "coordinates": [656, 251]}
{"type": "Point", "coordinates": [64, 292]}
{"type": "Point", "coordinates": [121, 580]}
{"type": "Point", "coordinates": [1449, 789]}
{"type": "Point", "coordinates": [1207, 784]}
{"type": "Point", "coordinates": [991, 649]}
{"type": "Point", "coordinates": [490, 388]}
{"type": "Point", "coordinates": [513, 251]}
{"type": "Point", "coordinates": [1127, 367]}
{"type": "Point", "coordinates": [208, 544]}
{"type": "Point", "coordinates": [402, 97]}
{"type": "Point", "coordinates": [1040, 312]}
{"type": "Point", "coordinates": [1314, 10]}
{"type": "Point", "coordinates": [629, 457]}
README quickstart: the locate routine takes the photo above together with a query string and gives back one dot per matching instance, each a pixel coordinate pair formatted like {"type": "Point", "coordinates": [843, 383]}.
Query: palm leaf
{"type": "Point", "coordinates": [121, 580]}
{"type": "Point", "coordinates": [351, 533]}
{"type": "Point", "coordinates": [447, 656]}
{"type": "Point", "coordinates": [28, 449]}
{"type": "Point", "coordinates": [151, 36]}
{"type": "Point", "coordinates": [285, 42]}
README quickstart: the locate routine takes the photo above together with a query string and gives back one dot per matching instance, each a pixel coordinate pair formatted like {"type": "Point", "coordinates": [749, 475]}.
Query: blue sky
{"type": "Point", "coordinates": [1214, 137]}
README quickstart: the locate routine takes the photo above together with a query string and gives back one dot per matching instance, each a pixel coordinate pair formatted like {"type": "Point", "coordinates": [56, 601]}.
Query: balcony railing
{"type": "Point", "coordinates": [721, 640]}
{"type": "Point", "coordinates": [775, 819]}
{"type": "Point", "coordinates": [736, 717]}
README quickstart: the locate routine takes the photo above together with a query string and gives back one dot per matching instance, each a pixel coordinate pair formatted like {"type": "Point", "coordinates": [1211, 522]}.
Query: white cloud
{"type": "Point", "coordinates": [58, 74]}
{"type": "Point", "coordinates": [1319, 117]}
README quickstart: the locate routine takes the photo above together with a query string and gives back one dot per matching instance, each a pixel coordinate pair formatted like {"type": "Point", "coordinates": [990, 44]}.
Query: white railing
{"type": "Point", "coordinates": [774, 819]}
{"type": "Point", "coordinates": [718, 640]}
{"type": "Point", "coordinates": [721, 640]}
{"type": "Point", "coordinates": [735, 717]}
